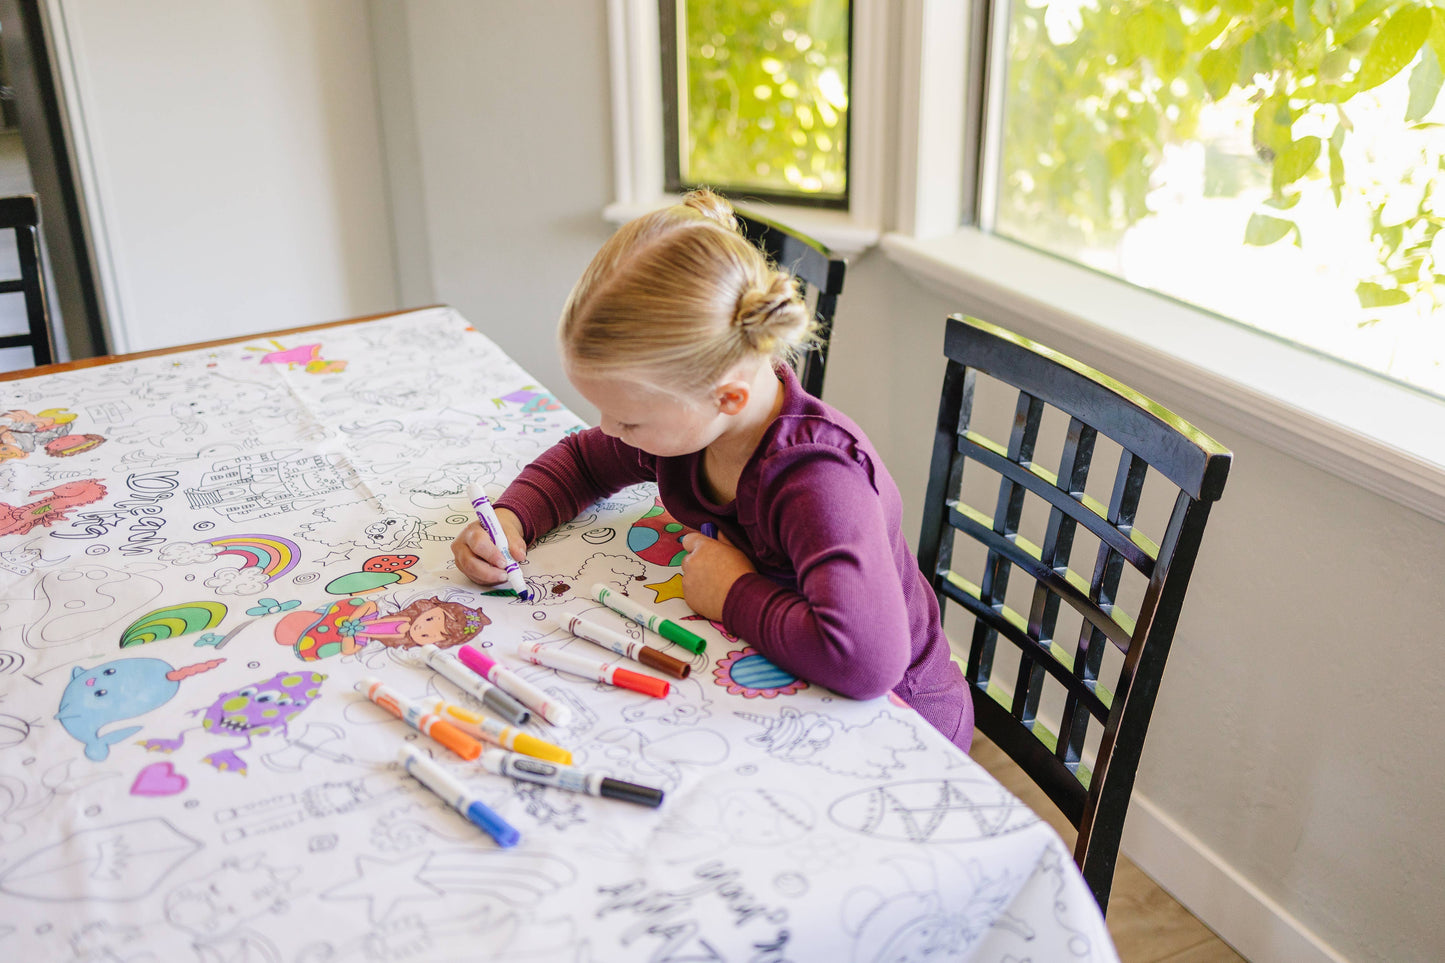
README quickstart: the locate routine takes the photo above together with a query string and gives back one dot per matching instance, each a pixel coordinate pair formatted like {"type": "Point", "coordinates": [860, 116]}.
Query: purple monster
{"type": "Point", "coordinates": [253, 710]}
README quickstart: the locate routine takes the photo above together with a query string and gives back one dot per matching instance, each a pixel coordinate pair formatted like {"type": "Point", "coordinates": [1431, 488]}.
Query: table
{"type": "Point", "coordinates": [170, 526]}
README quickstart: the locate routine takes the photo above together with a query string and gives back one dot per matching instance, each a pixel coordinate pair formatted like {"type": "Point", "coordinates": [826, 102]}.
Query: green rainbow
{"type": "Point", "coordinates": [171, 621]}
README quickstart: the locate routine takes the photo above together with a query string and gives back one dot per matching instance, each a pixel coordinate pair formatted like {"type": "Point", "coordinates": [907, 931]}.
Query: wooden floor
{"type": "Point", "coordinates": [1148, 926]}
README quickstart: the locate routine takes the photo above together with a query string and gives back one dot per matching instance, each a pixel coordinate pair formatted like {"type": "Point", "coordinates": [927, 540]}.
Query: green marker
{"type": "Point", "coordinates": [666, 628]}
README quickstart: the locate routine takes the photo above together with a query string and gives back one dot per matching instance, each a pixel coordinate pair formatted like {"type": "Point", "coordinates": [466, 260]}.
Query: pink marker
{"type": "Point", "coordinates": [594, 669]}
{"type": "Point", "coordinates": [514, 685]}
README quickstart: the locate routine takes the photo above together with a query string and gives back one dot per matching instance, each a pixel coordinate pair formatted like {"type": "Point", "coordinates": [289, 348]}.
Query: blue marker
{"type": "Point", "coordinates": [709, 529]}
{"type": "Point", "coordinates": [439, 781]}
{"type": "Point", "coordinates": [487, 515]}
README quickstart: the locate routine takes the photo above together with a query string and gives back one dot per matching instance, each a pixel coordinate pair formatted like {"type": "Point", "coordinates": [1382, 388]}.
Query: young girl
{"type": "Point", "coordinates": [679, 332]}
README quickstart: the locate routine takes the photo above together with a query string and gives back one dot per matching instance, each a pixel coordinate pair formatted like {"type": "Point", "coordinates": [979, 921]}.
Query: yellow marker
{"type": "Point", "coordinates": [479, 726]}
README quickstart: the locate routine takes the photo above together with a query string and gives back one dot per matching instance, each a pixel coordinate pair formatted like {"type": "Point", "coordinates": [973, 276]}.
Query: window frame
{"type": "Point", "coordinates": [923, 168]}
{"type": "Point", "coordinates": [634, 41]}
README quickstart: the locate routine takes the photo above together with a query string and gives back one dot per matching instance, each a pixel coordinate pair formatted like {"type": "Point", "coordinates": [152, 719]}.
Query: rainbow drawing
{"type": "Point", "coordinates": [171, 621]}
{"type": "Point", "coordinates": [272, 554]}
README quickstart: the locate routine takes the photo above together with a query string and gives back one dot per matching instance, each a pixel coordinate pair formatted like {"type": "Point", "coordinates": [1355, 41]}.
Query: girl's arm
{"type": "Point", "coordinates": [569, 476]}
{"type": "Point", "coordinates": [846, 625]}
{"type": "Point", "coordinates": [563, 480]}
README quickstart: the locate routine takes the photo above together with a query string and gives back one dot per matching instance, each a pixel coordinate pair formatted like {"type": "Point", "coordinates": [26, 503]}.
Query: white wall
{"type": "Point", "coordinates": [237, 159]}
{"type": "Point", "coordinates": [511, 116]}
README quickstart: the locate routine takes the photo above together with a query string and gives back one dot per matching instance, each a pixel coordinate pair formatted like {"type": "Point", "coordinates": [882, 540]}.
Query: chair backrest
{"type": "Point", "coordinates": [21, 214]}
{"type": "Point", "coordinates": [1190, 467]}
{"type": "Point", "coordinates": [816, 267]}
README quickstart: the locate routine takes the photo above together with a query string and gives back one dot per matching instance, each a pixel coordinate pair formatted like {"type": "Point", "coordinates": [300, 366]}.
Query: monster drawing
{"type": "Point", "coordinates": [257, 709]}
{"type": "Point", "coordinates": [116, 690]}
{"type": "Point", "coordinates": [20, 519]}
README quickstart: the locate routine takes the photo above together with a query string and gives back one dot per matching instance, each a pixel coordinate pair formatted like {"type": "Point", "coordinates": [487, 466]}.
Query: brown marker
{"type": "Point", "coordinates": [624, 645]}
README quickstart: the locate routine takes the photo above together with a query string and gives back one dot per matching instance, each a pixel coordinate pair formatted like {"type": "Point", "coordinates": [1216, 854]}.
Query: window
{"type": "Point", "coordinates": [1281, 164]}
{"type": "Point", "coordinates": [756, 97]}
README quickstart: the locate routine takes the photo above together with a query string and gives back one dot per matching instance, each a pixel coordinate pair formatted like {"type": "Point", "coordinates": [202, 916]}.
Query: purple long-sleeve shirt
{"type": "Point", "coordinates": [838, 598]}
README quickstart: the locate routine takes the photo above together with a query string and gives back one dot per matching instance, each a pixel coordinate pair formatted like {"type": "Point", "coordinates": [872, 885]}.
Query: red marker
{"type": "Point", "coordinates": [593, 669]}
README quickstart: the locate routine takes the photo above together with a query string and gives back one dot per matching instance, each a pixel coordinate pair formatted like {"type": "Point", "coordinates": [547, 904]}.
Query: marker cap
{"type": "Point", "coordinates": [637, 682]}
{"type": "Point", "coordinates": [630, 792]}
{"type": "Point", "coordinates": [493, 825]}
{"type": "Point", "coordinates": [675, 633]}
{"type": "Point", "coordinates": [529, 745]}
{"type": "Point", "coordinates": [662, 662]}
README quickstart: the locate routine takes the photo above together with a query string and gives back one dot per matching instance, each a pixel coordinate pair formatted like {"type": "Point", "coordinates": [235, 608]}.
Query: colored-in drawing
{"type": "Point", "coordinates": [116, 690]}
{"type": "Point", "coordinates": [933, 810]}
{"type": "Point", "coordinates": [532, 399]}
{"type": "Point", "coordinates": [656, 537]}
{"type": "Point", "coordinates": [343, 627]}
{"type": "Point", "coordinates": [158, 779]}
{"type": "Point", "coordinates": [22, 433]}
{"type": "Point", "coordinates": [308, 356]}
{"type": "Point", "coordinates": [272, 554]}
{"type": "Point", "coordinates": [746, 672]}
{"type": "Point", "coordinates": [379, 572]}
{"type": "Point", "coordinates": [668, 590]}
{"type": "Point", "coordinates": [258, 709]}
{"type": "Point", "coordinates": [869, 751]}
{"type": "Point", "coordinates": [171, 621]}
{"type": "Point", "coordinates": [117, 863]}
{"type": "Point", "coordinates": [52, 508]}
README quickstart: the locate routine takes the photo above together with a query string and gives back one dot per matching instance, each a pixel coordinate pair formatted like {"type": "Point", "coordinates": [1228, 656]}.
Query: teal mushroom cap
{"type": "Point", "coordinates": [353, 583]}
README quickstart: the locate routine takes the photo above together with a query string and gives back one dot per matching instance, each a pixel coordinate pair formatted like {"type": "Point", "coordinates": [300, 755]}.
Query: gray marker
{"type": "Point", "coordinates": [505, 763]}
{"type": "Point", "coordinates": [494, 700]}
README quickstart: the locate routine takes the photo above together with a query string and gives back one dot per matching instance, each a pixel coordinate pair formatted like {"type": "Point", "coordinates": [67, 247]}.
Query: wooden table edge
{"type": "Point", "coordinates": [106, 359]}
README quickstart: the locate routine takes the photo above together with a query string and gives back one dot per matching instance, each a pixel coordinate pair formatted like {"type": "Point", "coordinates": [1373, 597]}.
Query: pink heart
{"type": "Point", "coordinates": [158, 779]}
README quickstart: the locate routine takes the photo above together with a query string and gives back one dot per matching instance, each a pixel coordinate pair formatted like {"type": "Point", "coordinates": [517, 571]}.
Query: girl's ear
{"type": "Point", "coordinates": [732, 396]}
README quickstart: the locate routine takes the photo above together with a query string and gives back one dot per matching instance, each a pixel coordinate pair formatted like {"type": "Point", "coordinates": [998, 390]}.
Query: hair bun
{"type": "Point", "coordinates": [711, 206]}
{"type": "Point", "coordinates": [769, 314]}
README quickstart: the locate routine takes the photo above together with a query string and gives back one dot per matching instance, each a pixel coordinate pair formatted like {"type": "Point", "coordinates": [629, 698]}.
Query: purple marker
{"type": "Point", "coordinates": [709, 529]}
{"type": "Point", "coordinates": [487, 515]}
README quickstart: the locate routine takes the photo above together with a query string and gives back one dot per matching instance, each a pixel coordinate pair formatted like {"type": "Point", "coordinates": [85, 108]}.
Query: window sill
{"type": "Point", "coordinates": [834, 229]}
{"type": "Point", "coordinates": [1375, 433]}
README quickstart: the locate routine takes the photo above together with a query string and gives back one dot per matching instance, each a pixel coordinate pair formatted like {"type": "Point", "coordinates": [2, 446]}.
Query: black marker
{"type": "Point", "coordinates": [505, 763]}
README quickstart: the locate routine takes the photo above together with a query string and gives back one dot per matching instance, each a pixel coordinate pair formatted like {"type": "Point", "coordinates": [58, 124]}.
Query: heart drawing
{"type": "Point", "coordinates": [158, 779]}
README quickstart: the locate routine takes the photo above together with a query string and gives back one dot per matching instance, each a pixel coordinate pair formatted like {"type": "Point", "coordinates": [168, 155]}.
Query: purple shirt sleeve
{"type": "Point", "coordinates": [845, 626]}
{"type": "Point", "coordinates": [569, 476]}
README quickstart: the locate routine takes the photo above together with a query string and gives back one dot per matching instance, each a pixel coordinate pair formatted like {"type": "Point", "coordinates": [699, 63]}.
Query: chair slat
{"type": "Point", "coordinates": [1070, 586]}
{"type": "Point", "coordinates": [1135, 546]}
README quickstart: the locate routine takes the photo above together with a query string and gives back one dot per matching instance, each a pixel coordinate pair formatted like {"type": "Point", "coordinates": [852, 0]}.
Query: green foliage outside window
{"type": "Point", "coordinates": [1134, 75]}
{"type": "Point", "coordinates": [766, 96]}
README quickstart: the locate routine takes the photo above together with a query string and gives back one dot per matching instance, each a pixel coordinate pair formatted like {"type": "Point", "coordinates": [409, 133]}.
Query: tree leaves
{"type": "Point", "coordinates": [1372, 295]}
{"type": "Point", "coordinates": [1395, 45]}
{"type": "Point", "coordinates": [1424, 85]}
{"type": "Point", "coordinates": [1264, 230]}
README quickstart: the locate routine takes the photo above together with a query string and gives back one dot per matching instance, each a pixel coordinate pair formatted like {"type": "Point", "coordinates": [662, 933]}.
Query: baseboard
{"type": "Point", "coordinates": [1247, 919]}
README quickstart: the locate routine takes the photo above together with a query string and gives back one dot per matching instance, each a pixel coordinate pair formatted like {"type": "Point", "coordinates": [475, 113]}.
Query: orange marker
{"type": "Point", "coordinates": [401, 707]}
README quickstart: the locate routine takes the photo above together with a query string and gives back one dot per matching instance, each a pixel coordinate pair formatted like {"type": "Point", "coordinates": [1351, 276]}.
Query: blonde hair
{"type": "Point", "coordinates": [682, 296]}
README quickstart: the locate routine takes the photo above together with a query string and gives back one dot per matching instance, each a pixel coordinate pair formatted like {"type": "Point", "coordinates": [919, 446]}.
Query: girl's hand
{"type": "Point", "coordinates": [709, 570]}
{"type": "Point", "coordinates": [478, 557]}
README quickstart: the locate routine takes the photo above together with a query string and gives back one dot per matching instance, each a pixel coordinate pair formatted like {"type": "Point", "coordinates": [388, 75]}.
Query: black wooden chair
{"type": "Point", "coordinates": [21, 215]}
{"type": "Point", "coordinates": [1191, 469]}
{"type": "Point", "coordinates": [819, 271]}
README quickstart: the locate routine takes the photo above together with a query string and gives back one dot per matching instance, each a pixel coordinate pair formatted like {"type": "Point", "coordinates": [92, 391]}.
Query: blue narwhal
{"type": "Point", "coordinates": [116, 690]}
